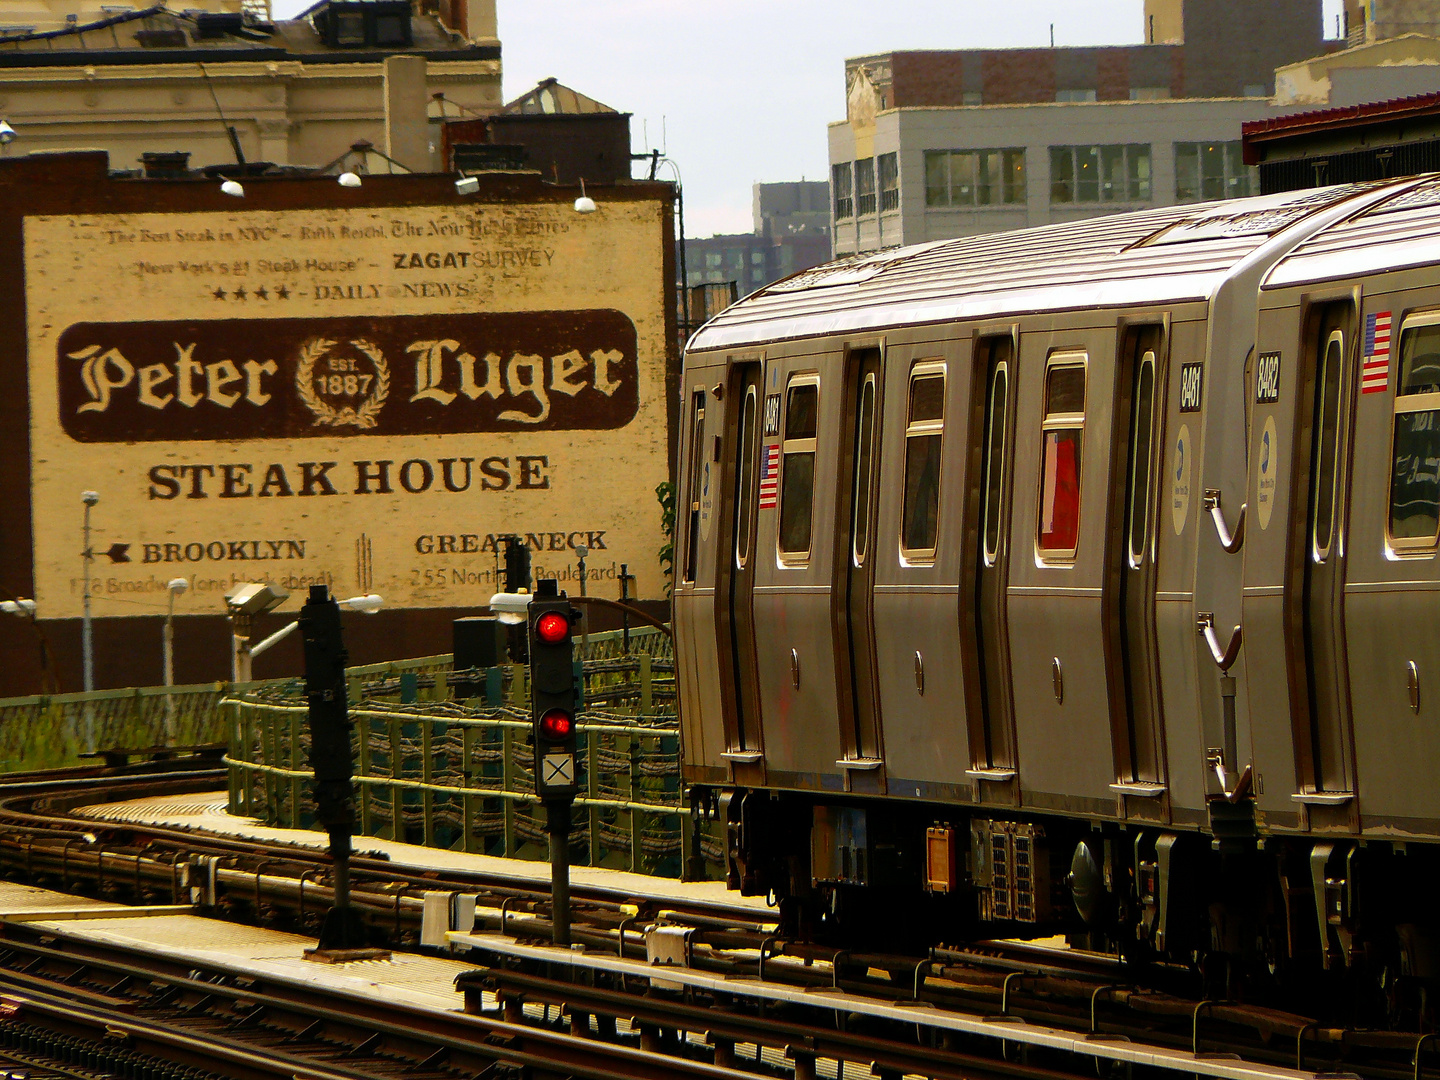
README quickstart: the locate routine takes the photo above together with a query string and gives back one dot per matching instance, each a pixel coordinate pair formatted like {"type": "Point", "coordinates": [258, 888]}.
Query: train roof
{"type": "Point", "coordinates": [1398, 232]}
{"type": "Point", "coordinates": [1167, 255]}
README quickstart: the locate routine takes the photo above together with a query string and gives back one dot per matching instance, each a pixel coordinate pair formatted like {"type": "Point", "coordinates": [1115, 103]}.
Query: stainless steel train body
{"type": "Point", "coordinates": [1100, 554]}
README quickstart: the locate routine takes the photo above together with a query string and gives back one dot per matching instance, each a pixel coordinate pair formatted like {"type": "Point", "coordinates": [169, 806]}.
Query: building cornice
{"type": "Point", "coordinates": [76, 58]}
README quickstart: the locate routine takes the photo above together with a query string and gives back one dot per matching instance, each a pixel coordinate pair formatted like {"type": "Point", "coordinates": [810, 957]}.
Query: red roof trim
{"type": "Point", "coordinates": [1344, 116]}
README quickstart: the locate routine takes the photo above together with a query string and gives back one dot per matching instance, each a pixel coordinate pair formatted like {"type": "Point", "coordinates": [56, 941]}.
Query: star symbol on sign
{"type": "Point", "coordinates": [240, 292]}
{"type": "Point", "coordinates": [261, 294]}
{"type": "Point", "coordinates": [219, 293]}
{"type": "Point", "coordinates": [282, 292]}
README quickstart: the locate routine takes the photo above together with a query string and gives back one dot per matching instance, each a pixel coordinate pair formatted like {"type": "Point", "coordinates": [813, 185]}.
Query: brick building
{"type": "Point", "coordinates": [943, 144]}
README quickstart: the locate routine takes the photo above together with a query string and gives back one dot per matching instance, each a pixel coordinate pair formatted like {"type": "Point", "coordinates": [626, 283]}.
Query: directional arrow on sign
{"type": "Point", "coordinates": [119, 553]}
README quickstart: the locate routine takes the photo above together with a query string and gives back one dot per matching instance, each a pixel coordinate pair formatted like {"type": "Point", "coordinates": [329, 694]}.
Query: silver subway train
{"type": "Point", "coordinates": [1082, 579]}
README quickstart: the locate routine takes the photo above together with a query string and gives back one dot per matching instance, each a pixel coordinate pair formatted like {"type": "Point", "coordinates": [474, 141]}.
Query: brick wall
{"type": "Point", "coordinates": [928, 78]}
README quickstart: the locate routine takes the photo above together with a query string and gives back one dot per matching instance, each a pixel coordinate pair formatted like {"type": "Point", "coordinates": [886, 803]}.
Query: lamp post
{"type": "Point", "coordinates": [87, 639]}
{"type": "Point", "coordinates": [243, 603]}
{"type": "Point", "coordinates": [175, 586]}
{"type": "Point", "coordinates": [247, 601]}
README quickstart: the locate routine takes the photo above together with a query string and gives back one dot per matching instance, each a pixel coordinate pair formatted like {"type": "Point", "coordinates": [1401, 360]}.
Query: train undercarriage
{"type": "Point", "coordinates": [1340, 929]}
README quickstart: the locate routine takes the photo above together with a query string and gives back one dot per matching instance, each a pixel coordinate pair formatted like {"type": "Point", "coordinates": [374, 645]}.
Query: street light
{"type": "Point", "coordinates": [175, 586]}
{"type": "Point", "coordinates": [263, 598]}
{"type": "Point", "coordinates": [244, 602]}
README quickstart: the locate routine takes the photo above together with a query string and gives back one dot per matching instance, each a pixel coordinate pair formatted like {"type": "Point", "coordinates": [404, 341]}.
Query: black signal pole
{"type": "Point", "coordinates": [554, 698]}
{"type": "Point", "coordinates": [557, 824]}
{"type": "Point", "coordinates": [329, 719]}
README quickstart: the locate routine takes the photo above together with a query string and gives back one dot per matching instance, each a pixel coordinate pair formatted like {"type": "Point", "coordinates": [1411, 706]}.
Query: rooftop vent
{"type": "Point", "coordinates": [166, 165]}
{"type": "Point", "coordinates": [216, 24]}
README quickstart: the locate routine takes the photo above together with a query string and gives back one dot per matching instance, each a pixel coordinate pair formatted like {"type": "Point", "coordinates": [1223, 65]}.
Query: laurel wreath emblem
{"type": "Point", "coordinates": [328, 415]}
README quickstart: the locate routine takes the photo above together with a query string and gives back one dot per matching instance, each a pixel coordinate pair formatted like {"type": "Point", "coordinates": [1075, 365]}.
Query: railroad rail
{"type": "Point", "coordinates": [693, 979]}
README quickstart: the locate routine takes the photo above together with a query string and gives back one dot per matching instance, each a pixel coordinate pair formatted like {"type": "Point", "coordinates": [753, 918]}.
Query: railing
{"type": "Point", "coordinates": [436, 770]}
{"type": "Point", "coordinates": [50, 732]}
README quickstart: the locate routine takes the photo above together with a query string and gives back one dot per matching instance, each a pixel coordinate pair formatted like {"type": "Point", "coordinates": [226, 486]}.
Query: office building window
{"type": "Point", "coordinates": [865, 186]}
{"type": "Point", "coordinates": [889, 182]}
{"type": "Point", "coordinates": [974, 177]}
{"type": "Point", "coordinates": [842, 190]}
{"type": "Point", "coordinates": [1149, 93]}
{"type": "Point", "coordinates": [1087, 174]}
{"type": "Point", "coordinates": [972, 97]}
{"type": "Point", "coordinates": [1212, 171]}
{"type": "Point", "coordinates": [1074, 95]}
{"type": "Point", "coordinates": [1256, 90]}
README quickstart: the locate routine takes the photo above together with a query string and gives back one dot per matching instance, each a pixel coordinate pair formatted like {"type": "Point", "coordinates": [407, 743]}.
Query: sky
{"type": "Point", "coordinates": [742, 92]}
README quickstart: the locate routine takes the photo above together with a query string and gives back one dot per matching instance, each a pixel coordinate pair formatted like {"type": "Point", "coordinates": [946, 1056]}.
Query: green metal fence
{"type": "Point", "coordinates": [59, 730]}
{"type": "Point", "coordinates": [442, 757]}
{"type": "Point", "coordinates": [435, 768]}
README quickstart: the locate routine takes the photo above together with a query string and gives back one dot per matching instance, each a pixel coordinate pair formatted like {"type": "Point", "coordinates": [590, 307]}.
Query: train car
{"type": "Point", "coordinates": [1081, 579]}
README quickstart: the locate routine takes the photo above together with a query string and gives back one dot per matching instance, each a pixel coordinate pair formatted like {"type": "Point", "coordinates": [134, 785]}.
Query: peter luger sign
{"type": "Point", "coordinates": [371, 399]}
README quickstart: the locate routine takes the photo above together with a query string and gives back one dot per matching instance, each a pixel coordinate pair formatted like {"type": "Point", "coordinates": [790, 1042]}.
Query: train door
{"type": "Point", "coordinates": [1393, 667]}
{"type": "Point", "coordinates": [1133, 661]}
{"type": "Point", "coordinates": [1057, 617]}
{"type": "Point", "coordinates": [1319, 690]}
{"type": "Point", "coordinates": [735, 572]}
{"type": "Point", "coordinates": [852, 599]}
{"type": "Point", "coordinates": [983, 618]}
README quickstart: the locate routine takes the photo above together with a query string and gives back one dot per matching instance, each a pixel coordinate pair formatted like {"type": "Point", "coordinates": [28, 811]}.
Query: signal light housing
{"type": "Point", "coordinates": [555, 692]}
{"type": "Point", "coordinates": [557, 725]}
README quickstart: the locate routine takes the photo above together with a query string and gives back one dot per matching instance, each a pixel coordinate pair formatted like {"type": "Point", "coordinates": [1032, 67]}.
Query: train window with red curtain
{"type": "Point", "coordinates": [1062, 441]}
{"type": "Point", "coordinates": [924, 432]}
{"type": "Point", "coordinates": [797, 471]}
{"type": "Point", "coordinates": [1415, 448]}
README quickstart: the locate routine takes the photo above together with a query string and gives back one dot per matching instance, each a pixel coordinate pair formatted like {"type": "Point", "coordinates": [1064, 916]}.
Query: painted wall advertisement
{"type": "Point", "coordinates": [365, 398]}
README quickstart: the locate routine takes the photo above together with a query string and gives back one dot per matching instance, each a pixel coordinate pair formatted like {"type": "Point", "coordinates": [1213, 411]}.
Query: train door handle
{"type": "Point", "coordinates": [1223, 657]}
{"type": "Point", "coordinates": [1231, 542]}
{"type": "Point", "coordinates": [795, 669]}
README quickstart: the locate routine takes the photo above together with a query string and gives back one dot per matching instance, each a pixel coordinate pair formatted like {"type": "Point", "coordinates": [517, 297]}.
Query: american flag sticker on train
{"type": "Point", "coordinates": [1375, 369]}
{"type": "Point", "coordinates": [770, 476]}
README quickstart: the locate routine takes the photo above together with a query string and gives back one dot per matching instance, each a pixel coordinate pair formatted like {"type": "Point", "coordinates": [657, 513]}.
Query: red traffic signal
{"type": "Point", "coordinates": [557, 725]}
{"type": "Point", "coordinates": [552, 628]}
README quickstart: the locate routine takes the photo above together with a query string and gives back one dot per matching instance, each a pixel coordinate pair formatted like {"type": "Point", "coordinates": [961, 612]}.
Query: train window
{"type": "Point", "coordinates": [1143, 431]}
{"type": "Point", "coordinates": [797, 476]}
{"type": "Point", "coordinates": [1415, 450]}
{"type": "Point", "coordinates": [746, 478]}
{"type": "Point", "coordinates": [924, 432]}
{"type": "Point", "coordinates": [1062, 439]}
{"type": "Point", "coordinates": [995, 458]}
{"type": "Point", "coordinates": [864, 450]}
{"type": "Point", "coordinates": [697, 447]}
{"type": "Point", "coordinates": [1327, 433]}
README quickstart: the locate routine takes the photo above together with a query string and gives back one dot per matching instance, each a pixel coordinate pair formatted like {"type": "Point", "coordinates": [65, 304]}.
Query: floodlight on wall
{"type": "Point", "coordinates": [21, 606]}
{"type": "Point", "coordinates": [349, 179]}
{"type": "Point", "coordinates": [7, 133]}
{"type": "Point", "coordinates": [232, 187]}
{"type": "Point", "coordinates": [584, 204]}
{"type": "Point", "coordinates": [467, 185]}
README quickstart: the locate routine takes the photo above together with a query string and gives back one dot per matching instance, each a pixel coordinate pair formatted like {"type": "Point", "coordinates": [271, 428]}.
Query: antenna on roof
{"type": "Point", "coordinates": [229, 128]}
{"type": "Point", "coordinates": [1052, 35]}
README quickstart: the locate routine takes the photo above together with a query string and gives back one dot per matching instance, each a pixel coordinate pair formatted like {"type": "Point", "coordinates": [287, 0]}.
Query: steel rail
{"type": "Point", "coordinates": [455, 1031]}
